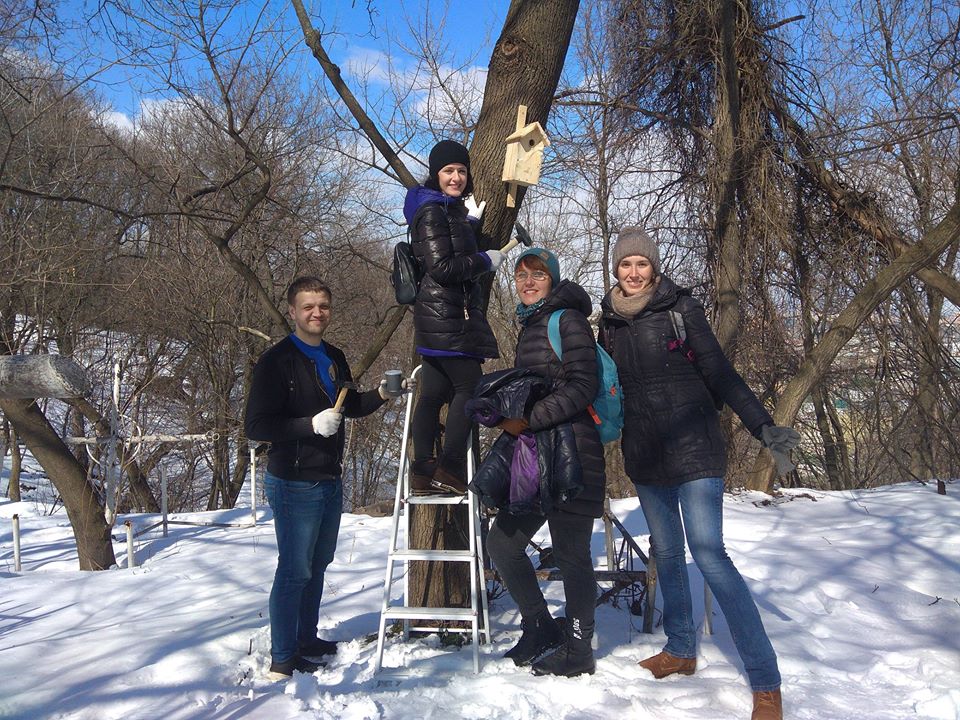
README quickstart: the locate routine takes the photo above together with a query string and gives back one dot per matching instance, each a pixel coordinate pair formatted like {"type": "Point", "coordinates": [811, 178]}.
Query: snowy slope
{"type": "Point", "coordinates": [860, 593]}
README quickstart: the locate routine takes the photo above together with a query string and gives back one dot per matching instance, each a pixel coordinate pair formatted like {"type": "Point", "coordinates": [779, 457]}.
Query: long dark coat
{"type": "Point", "coordinates": [575, 385]}
{"type": "Point", "coordinates": [671, 432]}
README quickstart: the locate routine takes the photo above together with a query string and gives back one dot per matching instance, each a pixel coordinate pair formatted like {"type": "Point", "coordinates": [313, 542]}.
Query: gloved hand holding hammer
{"type": "Point", "coordinates": [520, 237]}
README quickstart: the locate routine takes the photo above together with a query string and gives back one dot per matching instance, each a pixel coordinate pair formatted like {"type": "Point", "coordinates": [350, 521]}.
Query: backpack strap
{"type": "Point", "coordinates": [553, 333]}
{"type": "Point", "coordinates": [679, 344]}
{"type": "Point", "coordinates": [676, 319]}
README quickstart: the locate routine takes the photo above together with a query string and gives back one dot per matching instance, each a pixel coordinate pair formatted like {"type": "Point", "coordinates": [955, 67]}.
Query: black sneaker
{"type": "Point", "coordinates": [318, 648]}
{"type": "Point", "coordinates": [283, 670]}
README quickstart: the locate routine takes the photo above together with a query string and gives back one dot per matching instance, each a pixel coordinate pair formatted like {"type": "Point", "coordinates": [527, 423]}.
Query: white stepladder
{"type": "Point", "coordinates": [473, 555]}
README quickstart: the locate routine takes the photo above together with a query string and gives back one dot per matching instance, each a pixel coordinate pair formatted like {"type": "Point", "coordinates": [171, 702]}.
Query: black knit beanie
{"type": "Point", "coordinates": [447, 152]}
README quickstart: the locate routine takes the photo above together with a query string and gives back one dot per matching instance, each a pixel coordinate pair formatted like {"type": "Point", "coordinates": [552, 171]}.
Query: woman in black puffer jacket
{"type": "Point", "coordinates": [574, 379]}
{"type": "Point", "coordinates": [673, 372]}
{"type": "Point", "coordinates": [451, 330]}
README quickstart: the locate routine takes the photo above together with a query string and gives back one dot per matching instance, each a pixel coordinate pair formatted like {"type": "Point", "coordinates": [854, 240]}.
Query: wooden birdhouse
{"type": "Point", "coordinates": [524, 157]}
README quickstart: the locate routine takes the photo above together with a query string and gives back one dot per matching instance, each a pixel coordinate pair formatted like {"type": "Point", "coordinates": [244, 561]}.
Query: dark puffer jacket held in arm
{"type": "Point", "coordinates": [501, 481]}
{"type": "Point", "coordinates": [448, 314]}
{"type": "Point", "coordinates": [671, 432]}
{"type": "Point", "coordinates": [285, 394]}
{"type": "Point", "coordinates": [575, 385]}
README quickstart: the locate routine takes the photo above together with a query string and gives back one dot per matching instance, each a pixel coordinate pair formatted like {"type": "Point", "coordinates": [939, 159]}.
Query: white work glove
{"type": "Point", "coordinates": [327, 422]}
{"type": "Point", "coordinates": [496, 257]}
{"type": "Point", "coordinates": [388, 396]}
{"type": "Point", "coordinates": [474, 211]}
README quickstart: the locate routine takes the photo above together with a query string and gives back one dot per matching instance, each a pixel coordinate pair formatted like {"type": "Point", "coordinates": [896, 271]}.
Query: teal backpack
{"type": "Point", "coordinates": [607, 407]}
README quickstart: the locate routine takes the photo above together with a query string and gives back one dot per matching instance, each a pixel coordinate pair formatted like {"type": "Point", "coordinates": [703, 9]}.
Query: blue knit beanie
{"type": "Point", "coordinates": [546, 257]}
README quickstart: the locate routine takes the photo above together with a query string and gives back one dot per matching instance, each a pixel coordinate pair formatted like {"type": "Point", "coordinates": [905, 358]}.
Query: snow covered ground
{"type": "Point", "coordinates": [860, 593]}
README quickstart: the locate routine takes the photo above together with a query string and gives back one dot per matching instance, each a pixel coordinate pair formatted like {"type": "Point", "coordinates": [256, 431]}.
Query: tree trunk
{"type": "Point", "coordinates": [875, 291]}
{"type": "Point", "coordinates": [729, 143]}
{"type": "Point", "coordinates": [833, 459]}
{"type": "Point", "coordinates": [46, 376]}
{"type": "Point", "coordinates": [84, 508]}
{"type": "Point", "coordinates": [927, 427]}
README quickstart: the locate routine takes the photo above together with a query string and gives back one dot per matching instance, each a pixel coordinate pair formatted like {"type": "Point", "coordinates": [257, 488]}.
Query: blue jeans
{"type": "Point", "coordinates": [701, 504]}
{"type": "Point", "coordinates": [306, 518]}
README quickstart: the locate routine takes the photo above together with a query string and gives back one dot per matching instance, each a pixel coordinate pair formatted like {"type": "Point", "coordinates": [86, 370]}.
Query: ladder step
{"type": "Point", "coordinates": [430, 613]}
{"type": "Point", "coordinates": [436, 500]}
{"type": "Point", "coordinates": [435, 555]}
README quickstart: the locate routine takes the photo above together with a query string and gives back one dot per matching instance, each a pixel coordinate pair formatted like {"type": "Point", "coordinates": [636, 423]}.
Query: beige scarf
{"type": "Point", "coordinates": [633, 305]}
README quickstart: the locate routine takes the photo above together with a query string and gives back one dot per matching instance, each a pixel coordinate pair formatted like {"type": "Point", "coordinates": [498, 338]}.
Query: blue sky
{"type": "Point", "coordinates": [470, 31]}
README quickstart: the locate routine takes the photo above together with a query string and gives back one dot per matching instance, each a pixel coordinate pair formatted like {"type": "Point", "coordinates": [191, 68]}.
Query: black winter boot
{"type": "Point", "coordinates": [575, 656]}
{"type": "Point", "coordinates": [540, 633]}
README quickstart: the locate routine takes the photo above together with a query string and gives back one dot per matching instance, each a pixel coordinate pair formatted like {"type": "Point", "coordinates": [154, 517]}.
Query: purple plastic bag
{"type": "Point", "coordinates": [524, 470]}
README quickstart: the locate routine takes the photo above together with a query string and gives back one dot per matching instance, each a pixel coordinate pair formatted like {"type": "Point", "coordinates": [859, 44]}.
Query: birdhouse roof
{"type": "Point", "coordinates": [524, 133]}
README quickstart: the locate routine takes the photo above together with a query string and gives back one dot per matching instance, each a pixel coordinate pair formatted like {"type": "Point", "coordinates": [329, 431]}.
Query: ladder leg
{"type": "Point", "coordinates": [475, 585]}
{"type": "Point", "coordinates": [401, 492]}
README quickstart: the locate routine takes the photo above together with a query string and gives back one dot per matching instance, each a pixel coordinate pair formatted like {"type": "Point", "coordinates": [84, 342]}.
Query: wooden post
{"type": "Point", "coordinates": [16, 542]}
{"type": "Point", "coordinates": [163, 498]}
{"type": "Point", "coordinates": [512, 187]}
{"type": "Point", "coordinates": [131, 558]}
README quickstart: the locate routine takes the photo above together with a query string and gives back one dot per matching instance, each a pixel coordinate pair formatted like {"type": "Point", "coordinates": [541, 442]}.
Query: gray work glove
{"type": "Point", "coordinates": [496, 257]}
{"type": "Point", "coordinates": [780, 440]}
{"type": "Point", "coordinates": [327, 422]}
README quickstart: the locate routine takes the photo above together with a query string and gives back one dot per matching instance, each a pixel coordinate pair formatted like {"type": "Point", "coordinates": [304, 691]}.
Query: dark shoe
{"type": "Point", "coordinates": [421, 485]}
{"type": "Point", "coordinates": [663, 664]}
{"type": "Point", "coordinates": [448, 482]}
{"type": "Point", "coordinates": [318, 648]}
{"type": "Point", "coordinates": [567, 662]}
{"type": "Point", "coordinates": [575, 656]}
{"type": "Point", "coordinates": [282, 670]}
{"type": "Point", "coordinates": [767, 705]}
{"type": "Point", "coordinates": [540, 634]}
{"type": "Point", "coordinates": [421, 477]}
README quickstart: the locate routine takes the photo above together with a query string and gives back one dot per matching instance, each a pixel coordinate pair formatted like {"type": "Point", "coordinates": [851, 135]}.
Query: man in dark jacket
{"type": "Point", "coordinates": [292, 406]}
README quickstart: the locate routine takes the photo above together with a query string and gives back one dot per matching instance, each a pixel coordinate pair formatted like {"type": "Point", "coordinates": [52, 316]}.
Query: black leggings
{"type": "Point", "coordinates": [444, 380]}
{"type": "Point", "coordinates": [507, 544]}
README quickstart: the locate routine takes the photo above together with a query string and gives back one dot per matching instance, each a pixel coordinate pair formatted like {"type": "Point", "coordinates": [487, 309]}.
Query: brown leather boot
{"type": "Point", "coordinates": [421, 477]}
{"type": "Point", "coordinates": [421, 485]}
{"type": "Point", "coordinates": [446, 481]}
{"type": "Point", "coordinates": [663, 664]}
{"type": "Point", "coordinates": [767, 705]}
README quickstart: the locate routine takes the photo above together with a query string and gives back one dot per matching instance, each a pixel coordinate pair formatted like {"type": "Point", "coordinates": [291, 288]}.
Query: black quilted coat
{"type": "Point", "coordinates": [448, 313]}
{"type": "Point", "coordinates": [671, 432]}
{"type": "Point", "coordinates": [575, 385]}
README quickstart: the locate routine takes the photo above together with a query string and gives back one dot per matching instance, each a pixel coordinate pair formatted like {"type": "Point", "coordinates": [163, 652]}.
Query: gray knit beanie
{"type": "Point", "coordinates": [633, 240]}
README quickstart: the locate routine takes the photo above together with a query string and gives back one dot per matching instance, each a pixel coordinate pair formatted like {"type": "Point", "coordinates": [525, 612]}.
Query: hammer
{"type": "Point", "coordinates": [520, 237]}
{"type": "Point", "coordinates": [342, 395]}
